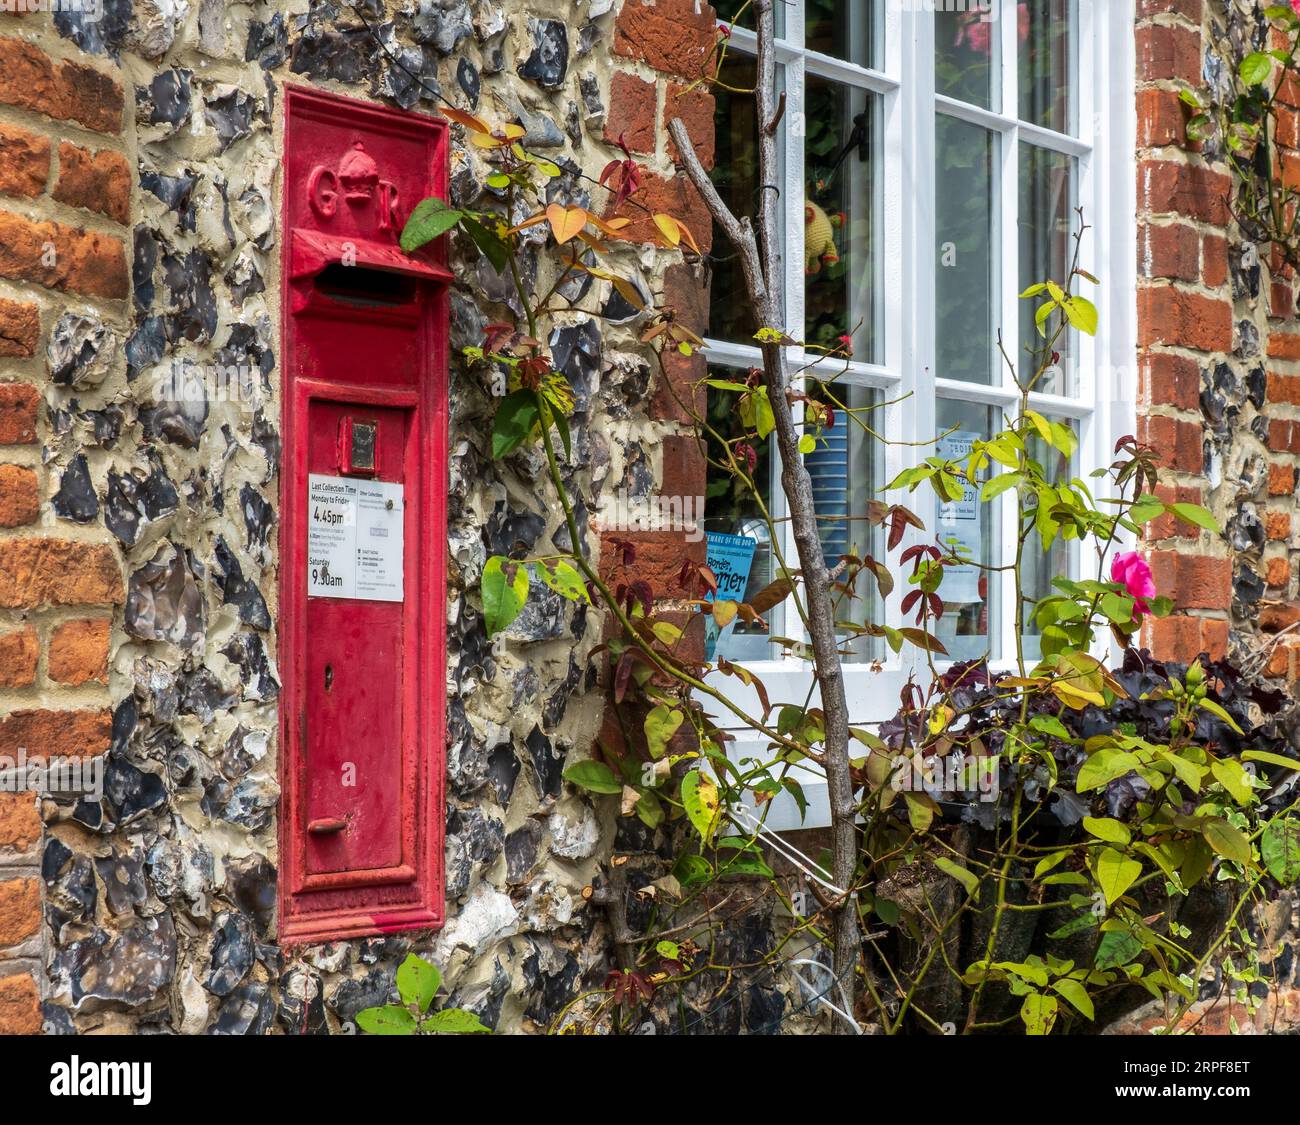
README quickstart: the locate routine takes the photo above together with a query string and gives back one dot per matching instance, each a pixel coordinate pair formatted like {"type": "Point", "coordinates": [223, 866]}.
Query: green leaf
{"type": "Point", "coordinates": [1039, 1013]}
{"type": "Point", "coordinates": [796, 791]}
{"type": "Point", "coordinates": [1065, 879]}
{"type": "Point", "coordinates": [504, 587]}
{"type": "Point", "coordinates": [1064, 438]}
{"type": "Point", "coordinates": [997, 485]}
{"type": "Point", "coordinates": [1255, 68]}
{"type": "Point", "coordinates": [1081, 313]}
{"type": "Point", "coordinates": [455, 1021]}
{"type": "Point", "coordinates": [660, 726]}
{"type": "Point", "coordinates": [807, 444]}
{"type": "Point", "coordinates": [1050, 724]}
{"type": "Point", "coordinates": [692, 870]}
{"type": "Point", "coordinates": [966, 878]}
{"type": "Point", "coordinates": [417, 982]}
{"type": "Point", "coordinates": [749, 865]}
{"type": "Point", "coordinates": [431, 218]}
{"type": "Point", "coordinates": [1146, 508]}
{"type": "Point", "coordinates": [1280, 846]}
{"type": "Point", "coordinates": [1046, 864]}
{"type": "Point", "coordinates": [494, 249]}
{"type": "Point", "coordinates": [1082, 921]}
{"type": "Point", "coordinates": [388, 1020]}
{"type": "Point", "coordinates": [1076, 994]}
{"type": "Point", "coordinates": [920, 811]}
{"type": "Point", "coordinates": [1116, 948]}
{"type": "Point", "coordinates": [564, 579]}
{"type": "Point", "coordinates": [1188, 773]}
{"type": "Point", "coordinates": [700, 799]}
{"type": "Point", "coordinates": [595, 777]}
{"type": "Point", "coordinates": [1104, 766]}
{"type": "Point", "coordinates": [1271, 759]}
{"type": "Point", "coordinates": [1227, 841]}
{"type": "Point", "coordinates": [650, 809]}
{"type": "Point", "coordinates": [1195, 514]}
{"type": "Point", "coordinates": [1031, 969]}
{"type": "Point", "coordinates": [1228, 773]}
{"type": "Point", "coordinates": [514, 422]}
{"type": "Point", "coordinates": [1104, 828]}
{"type": "Point", "coordinates": [1115, 873]}
{"type": "Point", "coordinates": [561, 423]}
{"type": "Point", "coordinates": [1161, 606]}
{"type": "Point", "coordinates": [764, 419]}
{"type": "Point", "coordinates": [1117, 608]}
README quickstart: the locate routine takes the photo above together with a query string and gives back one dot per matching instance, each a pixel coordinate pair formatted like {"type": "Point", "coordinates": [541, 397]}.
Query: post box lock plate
{"type": "Point", "coordinates": [358, 447]}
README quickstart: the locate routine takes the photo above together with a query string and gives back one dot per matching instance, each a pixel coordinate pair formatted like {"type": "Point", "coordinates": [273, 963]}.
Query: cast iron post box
{"type": "Point", "coordinates": [363, 533]}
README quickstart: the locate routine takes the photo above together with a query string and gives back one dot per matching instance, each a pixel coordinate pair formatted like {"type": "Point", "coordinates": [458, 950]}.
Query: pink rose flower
{"type": "Point", "coordinates": [976, 33]}
{"type": "Point", "coordinates": [1130, 570]}
{"type": "Point", "coordinates": [1295, 6]}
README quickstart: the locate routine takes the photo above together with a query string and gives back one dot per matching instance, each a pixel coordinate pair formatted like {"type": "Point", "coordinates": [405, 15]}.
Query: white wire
{"type": "Point", "coordinates": [807, 865]}
{"type": "Point", "coordinates": [857, 1030]}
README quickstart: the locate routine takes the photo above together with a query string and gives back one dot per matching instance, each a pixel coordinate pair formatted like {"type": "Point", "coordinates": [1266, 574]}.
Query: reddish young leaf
{"type": "Point", "coordinates": [641, 591]}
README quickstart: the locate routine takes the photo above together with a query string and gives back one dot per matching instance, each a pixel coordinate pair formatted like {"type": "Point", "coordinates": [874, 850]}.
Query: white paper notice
{"type": "Point", "coordinates": [354, 539]}
{"type": "Point", "coordinates": [959, 526]}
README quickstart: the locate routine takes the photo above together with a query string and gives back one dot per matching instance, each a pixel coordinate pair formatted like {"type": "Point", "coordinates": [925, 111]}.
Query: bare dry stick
{"type": "Point", "coordinates": [760, 261]}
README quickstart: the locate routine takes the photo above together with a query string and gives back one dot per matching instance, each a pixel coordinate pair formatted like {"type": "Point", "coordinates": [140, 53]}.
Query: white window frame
{"type": "Point", "coordinates": [1104, 147]}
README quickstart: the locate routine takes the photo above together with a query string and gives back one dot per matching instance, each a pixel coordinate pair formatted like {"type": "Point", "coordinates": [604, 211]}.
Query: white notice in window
{"type": "Point", "coordinates": [959, 526]}
{"type": "Point", "coordinates": [354, 539]}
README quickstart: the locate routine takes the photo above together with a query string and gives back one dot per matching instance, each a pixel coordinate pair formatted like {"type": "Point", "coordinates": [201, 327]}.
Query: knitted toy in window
{"type": "Point", "coordinates": [819, 237]}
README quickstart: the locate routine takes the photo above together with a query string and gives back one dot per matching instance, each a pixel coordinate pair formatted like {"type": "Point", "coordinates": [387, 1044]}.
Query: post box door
{"type": "Point", "coordinates": [359, 543]}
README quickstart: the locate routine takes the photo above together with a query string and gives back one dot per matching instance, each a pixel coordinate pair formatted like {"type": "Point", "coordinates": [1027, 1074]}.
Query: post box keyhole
{"type": "Point", "coordinates": [329, 676]}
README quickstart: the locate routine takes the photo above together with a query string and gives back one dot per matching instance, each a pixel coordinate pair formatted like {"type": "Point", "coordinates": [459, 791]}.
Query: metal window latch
{"type": "Point", "coordinates": [859, 138]}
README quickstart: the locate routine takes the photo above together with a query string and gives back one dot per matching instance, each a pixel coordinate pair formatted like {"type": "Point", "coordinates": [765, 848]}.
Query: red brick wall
{"type": "Point", "coordinates": [65, 192]}
{"type": "Point", "coordinates": [1185, 323]}
{"type": "Point", "coordinates": [1219, 364]}
{"type": "Point", "coordinates": [659, 51]}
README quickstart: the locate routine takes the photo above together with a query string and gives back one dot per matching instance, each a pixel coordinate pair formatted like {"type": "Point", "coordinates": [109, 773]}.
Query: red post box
{"type": "Point", "coordinates": [363, 523]}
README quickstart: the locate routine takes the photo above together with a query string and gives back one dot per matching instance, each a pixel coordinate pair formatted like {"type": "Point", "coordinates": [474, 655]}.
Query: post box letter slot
{"type": "Point", "coordinates": [360, 285]}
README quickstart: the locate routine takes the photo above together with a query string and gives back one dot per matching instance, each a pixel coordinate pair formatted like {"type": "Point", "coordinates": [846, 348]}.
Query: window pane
{"type": "Point", "coordinates": [1046, 248]}
{"type": "Point", "coordinates": [1039, 567]}
{"type": "Point", "coordinates": [735, 174]}
{"type": "Point", "coordinates": [969, 527]}
{"type": "Point", "coordinates": [966, 53]}
{"type": "Point", "coordinates": [1045, 43]}
{"type": "Point", "coordinates": [844, 30]}
{"type": "Point", "coordinates": [741, 13]}
{"type": "Point", "coordinates": [964, 275]}
{"type": "Point", "coordinates": [843, 468]}
{"type": "Point", "coordinates": [727, 12]}
{"type": "Point", "coordinates": [839, 292]}
{"type": "Point", "coordinates": [731, 508]}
